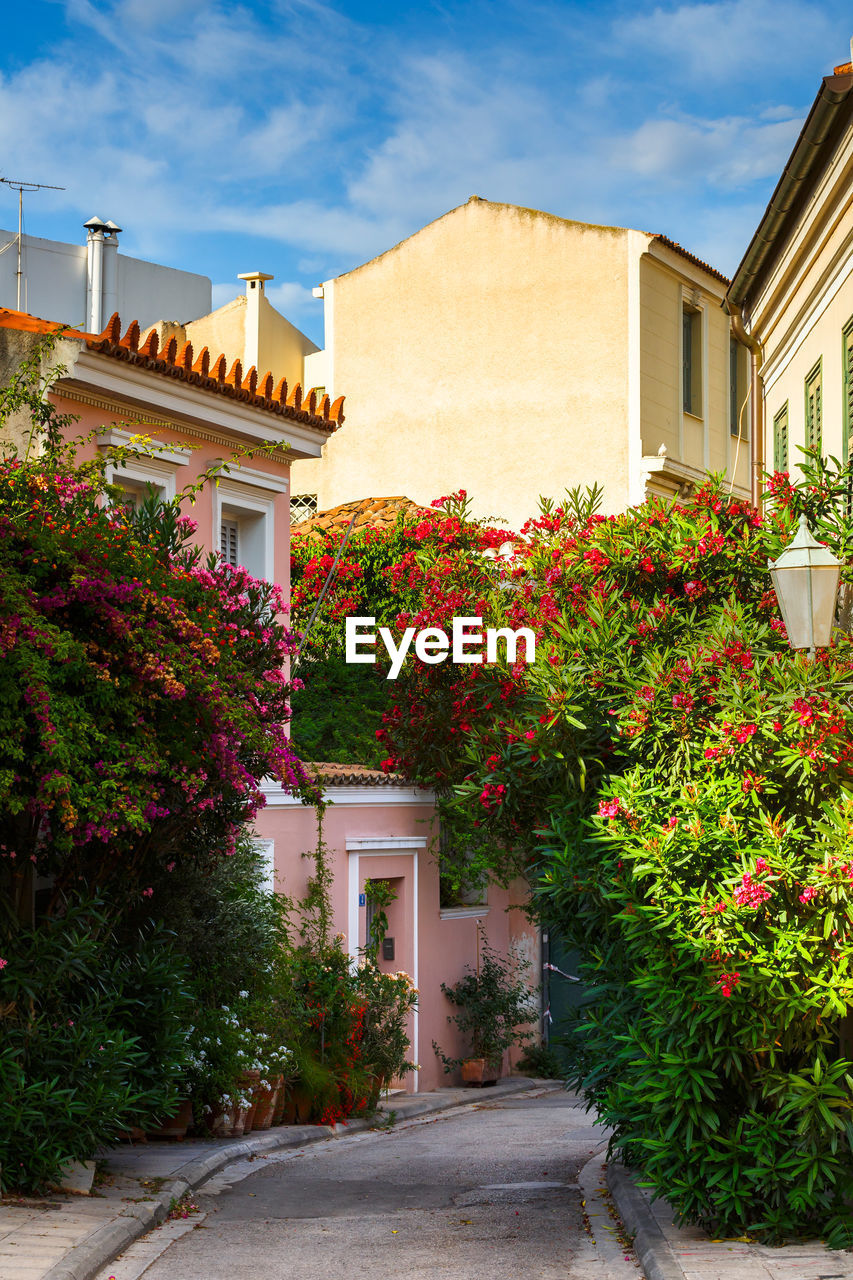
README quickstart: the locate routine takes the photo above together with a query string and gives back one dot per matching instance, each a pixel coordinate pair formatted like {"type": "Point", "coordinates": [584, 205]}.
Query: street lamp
{"type": "Point", "coordinates": [805, 579]}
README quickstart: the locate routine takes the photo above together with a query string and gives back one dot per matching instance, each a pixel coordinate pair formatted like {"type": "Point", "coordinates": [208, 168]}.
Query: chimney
{"type": "Point", "coordinates": [110, 276]}
{"type": "Point", "coordinates": [255, 281]}
{"type": "Point", "coordinates": [101, 272]}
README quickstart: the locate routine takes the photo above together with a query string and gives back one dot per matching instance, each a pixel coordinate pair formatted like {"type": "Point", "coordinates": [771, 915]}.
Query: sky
{"type": "Point", "coordinates": [303, 138]}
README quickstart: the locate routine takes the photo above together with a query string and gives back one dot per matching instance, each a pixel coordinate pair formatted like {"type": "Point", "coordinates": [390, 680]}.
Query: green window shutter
{"type": "Point", "coordinates": [847, 368]}
{"type": "Point", "coordinates": [687, 360]}
{"type": "Point", "coordinates": [814, 408]}
{"type": "Point", "coordinates": [780, 439]}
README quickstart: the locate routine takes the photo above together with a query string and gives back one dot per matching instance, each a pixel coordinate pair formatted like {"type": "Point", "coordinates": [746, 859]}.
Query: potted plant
{"type": "Point", "coordinates": [494, 1004]}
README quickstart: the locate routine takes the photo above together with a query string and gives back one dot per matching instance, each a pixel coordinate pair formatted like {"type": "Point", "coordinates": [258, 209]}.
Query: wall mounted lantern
{"type": "Point", "coordinates": [805, 579]}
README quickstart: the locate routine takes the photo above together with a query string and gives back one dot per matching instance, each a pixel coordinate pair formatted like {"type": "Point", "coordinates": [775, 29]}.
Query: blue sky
{"type": "Point", "coordinates": [302, 138]}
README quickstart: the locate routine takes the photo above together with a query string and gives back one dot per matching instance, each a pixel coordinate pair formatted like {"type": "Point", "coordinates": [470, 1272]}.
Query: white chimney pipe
{"type": "Point", "coordinates": [101, 272]}
{"type": "Point", "coordinates": [255, 281]}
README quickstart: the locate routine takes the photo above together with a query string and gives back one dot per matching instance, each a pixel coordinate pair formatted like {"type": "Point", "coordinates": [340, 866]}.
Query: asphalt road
{"type": "Point", "coordinates": [487, 1192]}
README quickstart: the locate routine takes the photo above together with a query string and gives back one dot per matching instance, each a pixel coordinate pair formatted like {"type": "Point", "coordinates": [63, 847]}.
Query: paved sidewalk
{"type": "Point", "coordinates": [668, 1252]}
{"type": "Point", "coordinates": [73, 1237]}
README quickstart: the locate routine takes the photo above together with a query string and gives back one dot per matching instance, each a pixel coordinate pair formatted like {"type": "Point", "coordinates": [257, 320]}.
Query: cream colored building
{"type": "Point", "coordinates": [793, 292]}
{"type": "Point", "coordinates": [514, 353]}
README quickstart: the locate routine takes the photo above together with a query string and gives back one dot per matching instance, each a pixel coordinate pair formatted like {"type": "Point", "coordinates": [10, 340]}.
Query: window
{"type": "Point", "coordinates": [738, 415]}
{"type": "Point", "coordinates": [780, 439]}
{"type": "Point", "coordinates": [266, 852]}
{"type": "Point", "coordinates": [691, 361]}
{"type": "Point", "coordinates": [229, 541]}
{"type": "Point", "coordinates": [814, 408]}
{"type": "Point", "coordinates": [460, 886]}
{"type": "Point", "coordinates": [243, 525]}
{"type": "Point", "coordinates": [302, 507]}
{"type": "Point", "coordinates": [847, 371]}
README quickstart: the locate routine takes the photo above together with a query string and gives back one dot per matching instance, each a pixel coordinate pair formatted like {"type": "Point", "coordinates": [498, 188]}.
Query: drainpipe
{"type": "Point", "coordinates": [756, 439]}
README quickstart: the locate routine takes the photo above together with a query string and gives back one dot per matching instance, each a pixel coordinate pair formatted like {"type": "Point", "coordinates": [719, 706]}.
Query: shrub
{"type": "Point", "coordinates": [494, 1002]}
{"type": "Point", "coordinates": [665, 745]}
{"type": "Point", "coordinates": [94, 1040]}
{"type": "Point", "coordinates": [718, 946]}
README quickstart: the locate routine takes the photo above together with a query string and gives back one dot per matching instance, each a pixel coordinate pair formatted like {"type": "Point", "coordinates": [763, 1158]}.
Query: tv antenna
{"type": "Point", "coordinates": [17, 185]}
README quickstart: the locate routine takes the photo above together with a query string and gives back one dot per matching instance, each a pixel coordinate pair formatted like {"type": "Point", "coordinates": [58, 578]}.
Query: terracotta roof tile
{"type": "Point", "coordinates": [210, 375]}
{"type": "Point", "coordinates": [374, 513]}
{"type": "Point", "coordinates": [691, 257]}
{"type": "Point", "coordinates": [354, 775]}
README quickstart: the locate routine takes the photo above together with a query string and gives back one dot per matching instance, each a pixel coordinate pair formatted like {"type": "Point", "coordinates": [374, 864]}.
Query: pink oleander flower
{"type": "Point", "coordinates": [609, 808]}
{"type": "Point", "coordinates": [750, 894]}
{"type": "Point", "coordinates": [808, 894]}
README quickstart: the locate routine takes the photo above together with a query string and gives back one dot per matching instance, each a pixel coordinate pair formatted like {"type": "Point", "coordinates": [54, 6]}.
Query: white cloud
{"type": "Point", "coordinates": [729, 152]}
{"type": "Point", "coordinates": [314, 143]}
{"type": "Point", "coordinates": [733, 38]}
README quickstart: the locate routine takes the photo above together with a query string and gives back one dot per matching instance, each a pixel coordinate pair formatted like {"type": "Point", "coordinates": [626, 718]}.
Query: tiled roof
{"type": "Point", "coordinates": [212, 374]}
{"type": "Point", "coordinates": [691, 257]}
{"type": "Point", "coordinates": [374, 513]}
{"type": "Point", "coordinates": [354, 775]}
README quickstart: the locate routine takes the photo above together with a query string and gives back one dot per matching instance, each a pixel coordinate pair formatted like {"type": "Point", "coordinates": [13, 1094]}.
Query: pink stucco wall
{"type": "Point", "coordinates": [204, 454]}
{"type": "Point", "coordinates": [430, 945]}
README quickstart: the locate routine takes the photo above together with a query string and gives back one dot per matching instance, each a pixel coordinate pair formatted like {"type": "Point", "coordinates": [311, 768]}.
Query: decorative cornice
{"type": "Point", "coordinates": [131, 416]}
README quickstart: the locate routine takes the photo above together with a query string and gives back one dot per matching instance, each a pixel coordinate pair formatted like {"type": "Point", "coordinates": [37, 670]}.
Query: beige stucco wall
{"type": "Point", "coordinates": [514, 353]}
{"type": "Point", "coordinates": [485, 352]}
{"type": "Point", "coordinates": [660, 358]}
{"type": "Point", "coordinates": [804, 304]}
{"type": "Point", "coordinates": [249, 329]}
{"type": "Point", "coordinates": [702, 441]}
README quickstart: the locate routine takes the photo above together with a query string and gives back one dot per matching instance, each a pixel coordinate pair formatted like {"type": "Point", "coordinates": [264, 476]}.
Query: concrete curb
{"type": "Point", "coordinates": [656, 1258]}
{"type": "Point", "coordinates": [84, 1260]}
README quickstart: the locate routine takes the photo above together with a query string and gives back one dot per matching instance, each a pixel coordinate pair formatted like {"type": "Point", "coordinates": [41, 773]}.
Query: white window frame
{"type": "Point", "coordinates": [145, 471]}
{"type": "Point", "coordinates": [233, 500]}
{"type": "Point", "coordinates": [266, 848]}
{"type": "Point", "coordinates": [154, 465]}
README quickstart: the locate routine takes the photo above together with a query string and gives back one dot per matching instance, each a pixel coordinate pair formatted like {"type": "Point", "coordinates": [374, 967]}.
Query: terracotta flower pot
{"type": "Point", "coordinates": [281, 1104]}
{"type": "Point", "coordinates": [248, 1082]}
{"type": "Point", "coordinates": [479, 1071]}
{"type": "Point", "coordinates": [226, 1122]}
{"type": "Point", "coordinates": [265, 1105]}
{"type": "Point", "coordinates": [175, 1127]}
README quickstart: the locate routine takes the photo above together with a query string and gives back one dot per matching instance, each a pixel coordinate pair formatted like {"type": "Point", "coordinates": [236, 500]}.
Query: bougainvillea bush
{"type": "Point", "coordinates": [142, 695]}
{"type": "Point", "coordinates": [142, 700]}
{"type": "Point", "coordinates": [676, 783]}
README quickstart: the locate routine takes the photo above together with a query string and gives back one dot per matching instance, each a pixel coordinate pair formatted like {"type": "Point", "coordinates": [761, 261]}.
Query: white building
{"type": "Point", "coordinates": [83, 284]}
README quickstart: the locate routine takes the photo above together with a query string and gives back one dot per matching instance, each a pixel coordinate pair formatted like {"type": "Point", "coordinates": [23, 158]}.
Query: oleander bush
{"type": "Point", "coordinates": [92, 1039]}
{"type": "Point", "coordinates": [676, 784]}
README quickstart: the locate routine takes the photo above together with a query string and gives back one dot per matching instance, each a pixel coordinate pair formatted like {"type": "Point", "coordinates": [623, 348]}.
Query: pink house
{"type": "Point", "coordinates": [197, 410]}
{"type": "Point", "coordinates": [378, 827]}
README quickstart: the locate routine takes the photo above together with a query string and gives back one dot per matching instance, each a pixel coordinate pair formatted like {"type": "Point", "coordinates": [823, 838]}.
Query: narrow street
{"type": "Point", "coordinates": [488, 1192]}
